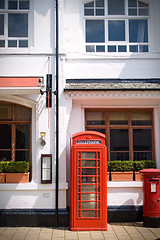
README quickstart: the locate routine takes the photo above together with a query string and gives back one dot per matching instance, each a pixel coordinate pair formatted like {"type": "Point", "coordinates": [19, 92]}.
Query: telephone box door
{"type": "Point", "coordinates": [89, 188]}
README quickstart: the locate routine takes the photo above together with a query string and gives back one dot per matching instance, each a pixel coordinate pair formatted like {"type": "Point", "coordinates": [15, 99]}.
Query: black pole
{"type": "Point", "coordinates": [57, 116]}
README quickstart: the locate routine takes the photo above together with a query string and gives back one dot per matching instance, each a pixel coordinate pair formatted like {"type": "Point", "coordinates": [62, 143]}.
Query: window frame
{"type": "Point", "coordinates": [5, 37]}
{"type": "Point", "coordinates": [107, 43]}
{"type": "Point", "coordinates": [107, 126]}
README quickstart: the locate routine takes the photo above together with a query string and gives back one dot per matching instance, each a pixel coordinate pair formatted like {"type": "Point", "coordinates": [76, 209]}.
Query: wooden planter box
{"type": "Point", "coordinates": [17, 177]}
{"type": "Point", "coordinates": [138, 176]}
{"type": "Point", "coordinates": [108, 174]}
{"type": "Point", "coordinates": [2, 177]}
{"type": "Point", "coordinates": [122, 176]}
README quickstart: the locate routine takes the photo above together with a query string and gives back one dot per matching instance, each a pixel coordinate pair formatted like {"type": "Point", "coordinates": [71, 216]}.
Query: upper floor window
{"type": "Point", "coordinates": [116, 26]}
{"type": "Point", "coordinates": [14, 23]}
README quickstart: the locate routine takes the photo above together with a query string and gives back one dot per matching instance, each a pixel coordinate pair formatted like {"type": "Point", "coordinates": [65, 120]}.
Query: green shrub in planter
{"type": "Point", "coordinates": [2, 166]}
{"type": "Point", "coordinates": [121, 166]}
{"type": "Point", "coordinates": [144, 164]}
{"type": "Point", "coordinates": [108, 166]}
{"type": "Point", "coordinates": [16, 167]}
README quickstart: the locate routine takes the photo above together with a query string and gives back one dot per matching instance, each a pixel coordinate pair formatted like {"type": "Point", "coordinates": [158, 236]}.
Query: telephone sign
{"type": "Point", "coordinates": [88, 210]}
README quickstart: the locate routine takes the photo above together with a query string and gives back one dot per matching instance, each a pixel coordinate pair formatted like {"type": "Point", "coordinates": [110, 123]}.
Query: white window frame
{"type": "Point", "coordinates": [5, 37]}
{"type": "Point", "coordinates": [126, 18]}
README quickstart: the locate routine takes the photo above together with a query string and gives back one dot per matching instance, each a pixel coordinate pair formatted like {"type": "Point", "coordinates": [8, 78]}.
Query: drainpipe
{"type": "Point", "coordinates": [57, 117]}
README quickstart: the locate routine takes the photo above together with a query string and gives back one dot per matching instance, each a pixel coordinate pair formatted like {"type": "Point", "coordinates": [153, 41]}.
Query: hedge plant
{"type": "Point", "coordinates": [14, 167]}
{"type": "Point", "coordinates": [127, 166]}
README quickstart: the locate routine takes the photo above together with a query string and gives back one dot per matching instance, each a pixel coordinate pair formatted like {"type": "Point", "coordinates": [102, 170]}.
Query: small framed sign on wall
{"type": "Point", "coordinates": [46, 168]}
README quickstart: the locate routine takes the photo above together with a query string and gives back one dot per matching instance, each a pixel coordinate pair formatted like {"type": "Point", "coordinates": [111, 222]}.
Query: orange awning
{"type": "Point", "coordinates": [19, 82]}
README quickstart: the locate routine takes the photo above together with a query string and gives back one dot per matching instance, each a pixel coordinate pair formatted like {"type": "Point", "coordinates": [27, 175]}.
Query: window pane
{"type": "Point", "coordinates": [2, 43]}
{"type": "Point", "coordinates": [119, 156]}
{"type": "Point", "coordinates": [22, 136]}
{"type": "Point", "coordinates": [23, 4]}
{"type": "Point", "coordinates": [90, 48]}
{"type": "Point", "coordinates": [1, 24]}
{"type": "Point", "coordinates": [132, 3]}
{"type": "Point", "coordinates": [118, 118]}
{"type": "Point", "coordinates": [116, 30]}
{"type": "Point", "coordinates": [23, 43]}
{"type": "Point", "coordinates": [100, 3]}
{"type": "Point", "coordinates": [91, 4]}
{"type": "Point", "coordinates": [22, 113]}
{"type": "Point", "coordinates": [95, 118]}
{"type": "Point", "coordinates": [143, 12]}
{"type": "Point", "coordinates": [138, 31]}
{"type": "Point", "coordinates": [142, 140]}
{"type": "Point", "coordinates": [18, 25]}
{"type": "Point", "coordinates": [12, 43]}
{"type": "Point", "coordinates": [132, 12]}
{"type": "Point", "coordinates": [100, 48]}
{"type": "Point", "coordinates": [140, 4]}
{"type": "Point", "coordinates": [143, 48]}
{"type": "Point", "coordinates": [119, 140]}
{"type": "Point", "coordinates": [99, 12]}
{"type": "Point", "coordinates": [5, 112]}
{"type": "Point", "coordinates": [133, 48]}
{"type": "Point", "coordinates": [2, 4]}
{"type": "Point", "coordinates": [94, 30]}
{"type": "Point", "coordinates": [111, 48]}
{"type": "Point", "coordinates": [122, 48]}
{"type": "Point", "coordinates": [141, 118]}
{"type": "Point", "coordinates": [88, 12]}
{"type": "Point", "coordinates": [5, 155]}
{"type": "Point", "coordinates": [22, 156]}
{"type": "Point", "coordinates": [5, 136]}
{"type": "Point", "coordinates": [12, 5]}
{"type": "Point", "coordinates": [116, 7]}
{"type": "Point", "coordinates": [142, 156]}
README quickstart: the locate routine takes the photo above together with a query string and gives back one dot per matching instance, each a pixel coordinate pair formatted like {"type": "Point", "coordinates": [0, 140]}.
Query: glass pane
{"type": "Point", "coordinates": [119, 156]}
{"type": "Point", "coordinates": [119, 140]}
{"type": "Point", "coordinates": [23, 43]}
{"type": "Point", "coordinates": [91, 179]}
{"type": "Point", "coordinates": [12, 43]}
{"type": "Point", "coordinates": [138, 31]}
{"type": "Point", "coordinates": [90, 48]}
{"type": "Point", "coordinates": [88, 205]}
{"type": "Point", "coordinates": [88, 188]}
{"type": "Point", "coordinates": [88, 213]}
{"type": "Point", "coordinates": [132, 3]}
{"type": "Point", "coordinates": [100, 3]}
{"type": "Point", "coordinates": [91, 4]}
{"type": "Point", "coordinates": [142, 140]}
{"type": "Point", "coordinates": [22, 113]}
{"type": "Point", "coordinates": [88, 12]}
{"type": "Point", "coordinates": [95, 118]}
{"type": "Point", "coordinates": [100, 48]}
{"type": "Point", "coordinates": [142, 156]}
{"type": "Point", "coordinates": [22, 156]}
{"type": "Point", "coordinates": [89, 196]}
{"type": "Point", "coordinates": [143, 12]}
{"type": "Point", "coordinates": [89, 155]}
{"type": "Point", "coordinates": [118, 118]}
{"type": "Point", "coordinates": [94, 31]}
{"type": "Point", "coordinates": [116, 7]}
{"type": "Point", "coordinates": [133, 48]}
{"type": "Point", "coordinates": [111, 48]}
{"type": "Point", "coordinates": [143, 48]}
{"type": "Point", "coordinates": [132, 12]}
{"type": "Point", "coordinates": [141, 118]}
{"type": "Point", "coordinates": [22, 136]}
{"type": "Point", "coordinates": [12, 5]}
{"type": "Point", "coordinates": [89, 163]}
{"type": "Point", "coordinates": [88, 171]}
{"type": "Point", "coordinates": [116, 30]}
{"type": "Point", "coordinates": [2, 43]}
{"type": "Point", "coordinates": [5, 155]}
{"type": "Point", "coordinates": [5, 136]}
{"type": "Point", "coordinates": [122, 49]}
{"type": "Point", "coordinates": [46, 174]}
{"type": "Point", "coordinates": [23, 4]}
{"type": "Point", "coordinates": [2, 4]}
{"type": "Point", "coordinates": [5, 112]}
{"type": "Point", "coordinates": [46, 162]}
{"type": "Point", "coordinates": [17, 25]}
{"type": "Point", "coordinates": [99, 12]}
{"type": "Point", "coordinates": [140, 4]}
{"type": "Point", "coordinates": [1, 24]}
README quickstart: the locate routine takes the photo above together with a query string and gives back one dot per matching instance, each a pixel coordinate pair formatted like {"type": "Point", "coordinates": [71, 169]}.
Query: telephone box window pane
{"type": "Point", "coordinates": [22, 156]}
{"type": "Point", "coordinates": [94, 31]}
{"type": "Point", "coordinates": [12, 5]}
{"type": "Point", "coordinates": [1, 24]}
{"type": "Point", "coordinates": [5, 136]}
{"type": "Point", "coordinates": [2, 4]}
{"type": "Point", "coordinates": [22, 113]}
{"type": "Point", "coordinates": [116, 7]}
{"type": "Point", "coordinates": [142, 140]}
{"type": "Point", "coordinates": [5, 155]}
{"type": "Point", "coordinates": [119, 140]}
{"type": "Point", "coordinates": [88, 213]}
{"type": "Point", "coordinates": [141, 118]}
{"type": "Point", "coordinates": [17, 25]}
{"type": "Point", "coordinates": [88, 188]}
{"type": "Point", "coordinates": [88, 205]}
{"type": "Point", "coordinates": [95, 118]}
{"type": "Point", "coordinates": [138, 31]}
{"type": "Point", "coordinates": [22, 136]}
{"type": "Point", "coordinates": [88, 163]}
{"type": "Point", "coordinates": [116, 30]}
{"type": "Point", "coordinates": [88, 171]}
{"type": "Point", "coordinates": [89, 196]}
{"type": "Point", "coordinates": [89, 155]}
{"type": "Point", "coordinates": [118, 118]}
{"type": "Point", "coordinates": [5, 112]}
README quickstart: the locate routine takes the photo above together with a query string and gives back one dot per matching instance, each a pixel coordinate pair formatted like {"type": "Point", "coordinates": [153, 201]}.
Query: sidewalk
{"type": "Point", "coordinates": [120, 231]}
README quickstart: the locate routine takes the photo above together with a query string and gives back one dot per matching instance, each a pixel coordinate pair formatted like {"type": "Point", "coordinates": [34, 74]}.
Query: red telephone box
{"type": "Point", "coordinates": [151, 197]}
{"type": "Point", "coordinates": [88, 210]}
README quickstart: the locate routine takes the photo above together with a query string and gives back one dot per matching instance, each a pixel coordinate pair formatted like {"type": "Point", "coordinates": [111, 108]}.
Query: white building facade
{"type": "Point", "coordinates": [109, 81]}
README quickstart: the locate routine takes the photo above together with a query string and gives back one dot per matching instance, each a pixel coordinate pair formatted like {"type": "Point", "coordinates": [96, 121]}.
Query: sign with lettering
{"type": "Point", "coordinates": [88, 142]}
